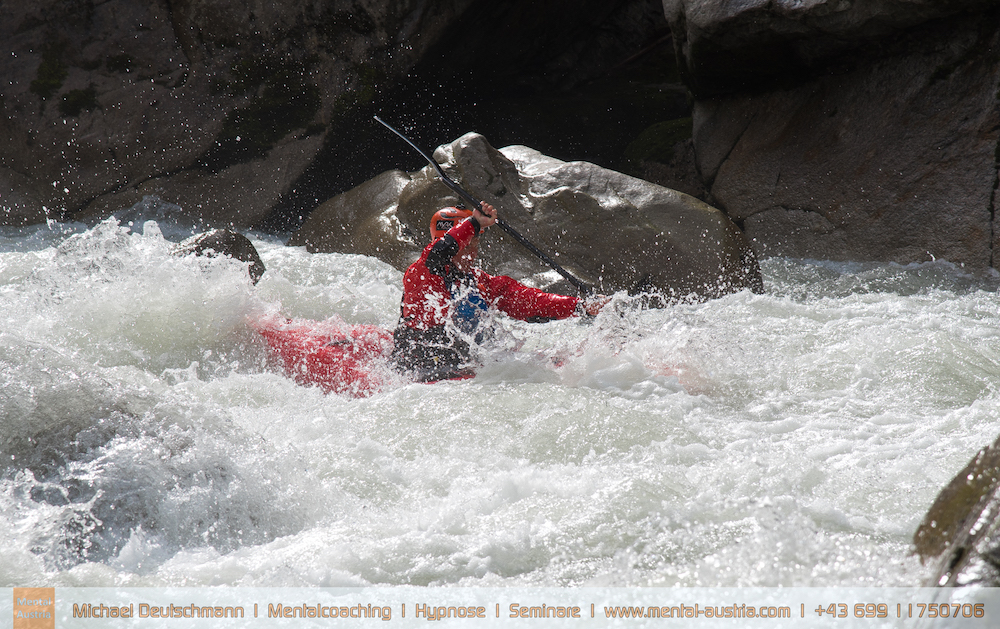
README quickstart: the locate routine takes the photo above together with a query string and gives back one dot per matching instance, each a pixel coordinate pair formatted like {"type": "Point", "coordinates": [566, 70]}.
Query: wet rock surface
{"type": "Point", "coordinates": [217, 106]}
{"type": "Point", "coordinates": [613, 231]}
{"type": "Point", "coordinates": [848, 131]}
{"type": "Point", "coordinates": [250, 114]}
{"type": "Point", "coordinates": [224, 242]}
{"type": "Point", "coordinates": [960, 534]}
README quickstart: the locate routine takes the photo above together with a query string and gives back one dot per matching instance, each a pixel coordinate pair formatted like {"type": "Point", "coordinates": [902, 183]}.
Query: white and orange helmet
{"type": "Point", "coordinates": [445, 219]}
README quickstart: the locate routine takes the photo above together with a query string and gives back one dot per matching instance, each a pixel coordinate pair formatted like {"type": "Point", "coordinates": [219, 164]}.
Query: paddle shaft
{"type": "Point", "coordinates": [581, 286]}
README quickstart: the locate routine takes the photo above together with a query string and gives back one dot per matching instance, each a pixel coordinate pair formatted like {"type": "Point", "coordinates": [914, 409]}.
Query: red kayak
{"type": "Point", "coordinates": [332, 354]}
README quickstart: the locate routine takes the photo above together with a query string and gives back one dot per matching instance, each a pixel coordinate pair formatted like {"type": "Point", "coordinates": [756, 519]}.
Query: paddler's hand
{"type": "Point", "coordinates": [485, 215]}
{"type": "Point", "coordinates": [592, 305]}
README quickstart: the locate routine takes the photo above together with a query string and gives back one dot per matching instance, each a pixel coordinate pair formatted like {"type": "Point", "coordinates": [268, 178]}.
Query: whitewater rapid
{"type": "Point", "coordinates": [792, 438]}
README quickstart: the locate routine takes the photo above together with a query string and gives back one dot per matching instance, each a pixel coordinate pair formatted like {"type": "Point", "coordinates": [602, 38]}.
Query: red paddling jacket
{"type": "Point", "coordinates": [435, 291]}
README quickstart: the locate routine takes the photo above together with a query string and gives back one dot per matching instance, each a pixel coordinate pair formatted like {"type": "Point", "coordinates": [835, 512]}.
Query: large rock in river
{"type": "Point", "coordinates": [611, 230]}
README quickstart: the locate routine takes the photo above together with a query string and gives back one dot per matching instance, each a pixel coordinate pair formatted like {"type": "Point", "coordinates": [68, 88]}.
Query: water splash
{"type": "Point", "coordinates": [789, 438]}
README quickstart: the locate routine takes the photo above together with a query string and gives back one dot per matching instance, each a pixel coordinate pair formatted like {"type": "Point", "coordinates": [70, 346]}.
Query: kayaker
{"type": "Point", "coordinates": [445, 298]}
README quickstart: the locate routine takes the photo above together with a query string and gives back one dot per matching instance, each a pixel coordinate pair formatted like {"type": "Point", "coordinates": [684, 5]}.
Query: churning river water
{"type": "Point", "coordinates": [792, 438]}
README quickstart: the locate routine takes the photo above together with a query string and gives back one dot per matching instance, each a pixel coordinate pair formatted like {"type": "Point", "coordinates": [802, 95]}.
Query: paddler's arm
{"type": "Point", "coordinates": [523, 302]}
{"type": "Point", "coordinates": [534, 305]}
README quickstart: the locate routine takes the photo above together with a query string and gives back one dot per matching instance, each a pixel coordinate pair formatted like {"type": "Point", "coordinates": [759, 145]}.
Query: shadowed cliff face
{"type": "Point", "coordinates": [576, 80]}
{"type": "Point", "coordinates": [217, 106]}
{"type": "Point", "coordinates": [740, 45]}
{"type": "Point", "coordinates": [253, 113]}
{"type": "Point", "coordinates": [863, 131]}
{"type": "Point", "coordinates": [873, 137]}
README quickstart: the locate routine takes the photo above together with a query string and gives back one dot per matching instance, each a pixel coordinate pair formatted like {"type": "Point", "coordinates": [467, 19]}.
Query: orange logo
{"type": "Point", "coordinates": [34, 608]}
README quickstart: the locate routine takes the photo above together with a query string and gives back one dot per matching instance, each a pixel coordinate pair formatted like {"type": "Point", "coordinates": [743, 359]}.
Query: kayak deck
{"type": "Point", "coordinates": [338, 357]}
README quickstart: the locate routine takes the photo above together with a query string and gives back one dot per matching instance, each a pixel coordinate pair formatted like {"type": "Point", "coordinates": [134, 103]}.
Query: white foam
{"type": "Point", "coordinates": [790, 438]}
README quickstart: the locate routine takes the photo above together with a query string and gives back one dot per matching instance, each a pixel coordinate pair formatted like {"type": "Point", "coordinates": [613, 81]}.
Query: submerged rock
{"type": "Point", "coordinates": [611, 230]}
{"type": "Point", "coordinates": [961, 531]}
{"type": "Point", "coordinates": [223, 242]}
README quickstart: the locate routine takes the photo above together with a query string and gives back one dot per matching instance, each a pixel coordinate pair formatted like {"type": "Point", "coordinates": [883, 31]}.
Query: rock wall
{"type": "Point", "coordinates": [576, 79]}
{"type": "Point", "coordinates": [860, 131]}
{"type": "Point", "coordinates": [733, 45]}
{"type": "Point", "coordinates": [825, 129]}
{"type": "Point", "coordinates": [215, 105]}
{"type": "Point", "coordinates": [848, 131]}
{"type": "Point", "coordinates": [253, 113]}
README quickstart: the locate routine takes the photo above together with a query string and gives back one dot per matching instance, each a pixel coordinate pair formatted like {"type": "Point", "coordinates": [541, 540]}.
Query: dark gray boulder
{"type": "Point", "coordinates": [727, 46]}
{"type": "Point", "coordinates": [224, 242]}
{"type": "Point", "coordinates": [874, 138]}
